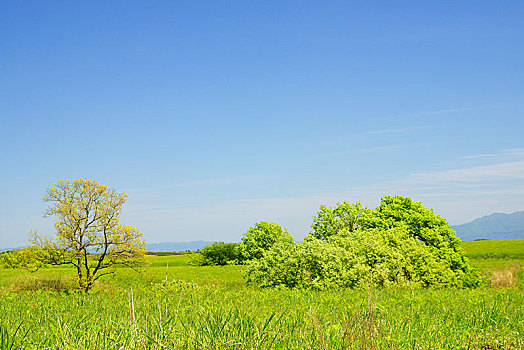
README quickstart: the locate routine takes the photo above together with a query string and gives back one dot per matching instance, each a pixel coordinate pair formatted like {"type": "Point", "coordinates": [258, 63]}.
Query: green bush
{"type": "Point", "coordinates": [258, 239]}
{"type": "Point", "coordinates": [262, 237]}
{"type": "Point", "coordinates": [22, 258]}
{"type": "Point", "coordinates": [424, 225]}
{"type": "Point", "coordinates": [218, 253]}
{"type": "Point", "coordinates": [344, 216]}
{"type": "Point", "coordinates": [399, 243]}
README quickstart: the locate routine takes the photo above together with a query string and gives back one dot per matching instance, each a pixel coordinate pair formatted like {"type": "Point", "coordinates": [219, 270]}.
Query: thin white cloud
{"type": "Point", "coordinates": [350, 138]}
{"type": "Point", "coordinates": [506, 153]}
{"type": "Point", "coordinates": [477, 156]}
{"type": "Point", "coordinates": [493, 172]}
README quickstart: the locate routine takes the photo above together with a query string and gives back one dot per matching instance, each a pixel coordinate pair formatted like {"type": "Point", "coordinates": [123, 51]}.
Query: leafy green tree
{"type": "Point", "coordinates": [355, 259]}
{"type": "Point", "coordinates": [219, 253]}
{"type": "Point", "coordinates": [261, 237]}
{"type": "Point", "coordinates": [424, 225]}
{"type": "Point", "coordinates": [89, 235]}
{"type": "Point", "coordinates": [400, 242]}
{"type": "Point", "coordinates": [344, 216]}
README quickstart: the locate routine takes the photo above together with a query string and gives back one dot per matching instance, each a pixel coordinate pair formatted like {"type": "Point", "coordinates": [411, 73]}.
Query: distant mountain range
{"type": "Point", "coordinates": [494, 226]}
{"type": "Point", "coordinates": [176, 246]}
{"type": "Point", "coordinates": [161, 247]}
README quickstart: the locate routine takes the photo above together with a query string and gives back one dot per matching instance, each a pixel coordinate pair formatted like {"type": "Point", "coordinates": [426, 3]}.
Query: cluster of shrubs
{"type": "Point", "coordinates": [21, 258]}
{"type": "Point", "coordinates": [398, 243]}
{"type": "Point", "coordinates": [218, 253]}
{"type": "Point", "coordinates": [257, 240]}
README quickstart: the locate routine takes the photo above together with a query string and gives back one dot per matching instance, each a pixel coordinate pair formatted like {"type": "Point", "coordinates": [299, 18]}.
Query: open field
{"type": "Point", "coordinates": [498, 255]}
{"type": "Point", "coordinates": [502, 249]}
{"type": "Point", "coordinates": [212, 308]}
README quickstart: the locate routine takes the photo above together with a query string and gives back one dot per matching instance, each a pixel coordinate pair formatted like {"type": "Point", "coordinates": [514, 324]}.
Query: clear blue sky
{"type": "Point", "coordinates": [215, 115]}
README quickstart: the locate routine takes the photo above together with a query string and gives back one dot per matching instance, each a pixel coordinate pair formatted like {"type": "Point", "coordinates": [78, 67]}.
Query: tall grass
{"type": "Point", "coordinates": [507, 277]}
{"type": "Point", "coordinates": [11, 339]}
{"type": "Point", "coordinates": [214, 317]}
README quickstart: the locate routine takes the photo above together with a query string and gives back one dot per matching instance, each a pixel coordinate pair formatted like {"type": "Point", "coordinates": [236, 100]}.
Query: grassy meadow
{"type": "Point", "coordinates": [173, 305]}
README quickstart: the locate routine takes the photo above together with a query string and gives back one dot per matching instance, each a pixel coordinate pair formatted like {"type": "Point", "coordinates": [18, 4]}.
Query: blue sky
{"type": "Point", "coordinates": [215, 115]}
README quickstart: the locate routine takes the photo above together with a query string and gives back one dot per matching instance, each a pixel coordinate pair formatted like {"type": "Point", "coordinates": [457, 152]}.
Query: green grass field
{"type": "Point", "coordinates": [213, 308]}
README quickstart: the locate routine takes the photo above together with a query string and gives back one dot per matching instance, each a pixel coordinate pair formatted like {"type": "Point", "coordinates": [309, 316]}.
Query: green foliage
{"type": "Point", "coordinates": [400, 243]}
{"type": "Point", "coordinates": [344, 216]}
{"type": "Point", "coordinates": [89, 235]}
{"type": "Point", "coordinates": [10, 260]}
{"type": "Point", "coordinates": [423, 224]}
{"type": "Point", "coordinates": [355, 259]}
{"type": "Point", "coordinates": [218, 253]}
{"type": "Point", "coordinates": [29, 258]}
{"type": "Point", "coordinates": [255, 242]}
{"type": "Point", "coordinates": [261, 238]}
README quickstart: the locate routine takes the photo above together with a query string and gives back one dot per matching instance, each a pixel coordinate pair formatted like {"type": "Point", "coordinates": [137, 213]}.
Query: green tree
{"type": "Point", "coordinates": [89, 235]}
{"type": "Point", "coordinates": [344, 216]}
{"type": "Point", "coordinates": [219, 253]}
{"type": "Point", "coordinates": [261, 237]}
{"type": "Point", "coordinates": [401, 242]}
{"type": "Point", "coordinates": [354, 259]}
{"type": "Point", "coordinates": [424, 225]}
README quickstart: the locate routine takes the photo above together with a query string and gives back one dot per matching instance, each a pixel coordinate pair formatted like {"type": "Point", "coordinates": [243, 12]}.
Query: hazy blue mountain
{"type": "Point", "coordinates": [176, 246]}
{"type": "Point", "coordinates": [162, 247]}
{"type": "Point", "coordinates": [494, 226]}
